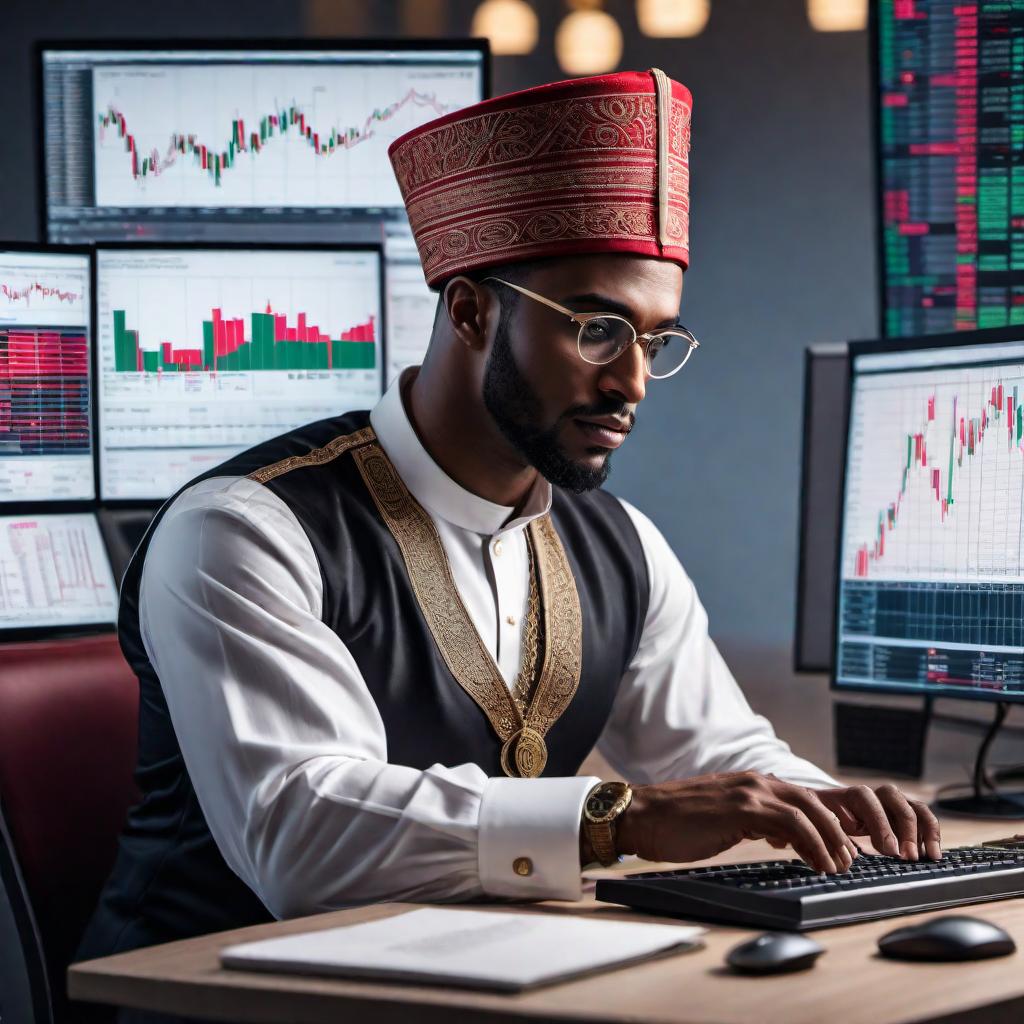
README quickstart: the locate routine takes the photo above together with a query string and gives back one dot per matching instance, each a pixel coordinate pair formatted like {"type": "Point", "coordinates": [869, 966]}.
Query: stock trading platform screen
{"type": "Point", "coordinates": [54, 571]}
{"type": "Point", "coordinates": [932, 561]}
{"type": "Point", "coordinates": [45, 436]}
{"type": "Point", "coordinates": [272, 145]}
{"type": "Point", "coordinates": [205, 352]}
{"type": "Point", "coordinates": [950, 121]}
{"type": "Point", "coordinates": [165, 144]}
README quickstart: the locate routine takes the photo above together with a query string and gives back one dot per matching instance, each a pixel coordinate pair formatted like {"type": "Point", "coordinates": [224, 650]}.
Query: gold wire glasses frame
{"type": "Point", "coordinates": [603, 337]}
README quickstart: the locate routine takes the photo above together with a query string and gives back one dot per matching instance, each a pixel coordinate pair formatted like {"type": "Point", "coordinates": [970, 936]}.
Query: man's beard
{"type": "Point", "coordinates": [516, 409]}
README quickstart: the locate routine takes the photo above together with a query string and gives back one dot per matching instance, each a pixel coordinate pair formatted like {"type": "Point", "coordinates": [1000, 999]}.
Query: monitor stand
{"type": "Point", "coordinates": [992, 804]}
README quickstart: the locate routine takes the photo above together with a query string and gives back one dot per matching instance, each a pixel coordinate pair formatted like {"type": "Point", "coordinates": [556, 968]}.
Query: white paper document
{"type": "Point", "coordinates": [468, 948]}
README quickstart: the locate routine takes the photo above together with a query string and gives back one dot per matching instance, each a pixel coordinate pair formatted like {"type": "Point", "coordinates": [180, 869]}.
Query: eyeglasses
{"type": "Point", "coordinates": [603, 337]}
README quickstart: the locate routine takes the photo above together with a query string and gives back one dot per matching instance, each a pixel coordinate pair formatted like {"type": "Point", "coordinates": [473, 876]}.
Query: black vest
{"type": "Point", "coordinates": [170, 880]}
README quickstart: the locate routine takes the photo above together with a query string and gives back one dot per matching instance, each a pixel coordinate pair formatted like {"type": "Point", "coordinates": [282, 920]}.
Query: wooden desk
{"type": "Point", "coordinates": [850, 984]}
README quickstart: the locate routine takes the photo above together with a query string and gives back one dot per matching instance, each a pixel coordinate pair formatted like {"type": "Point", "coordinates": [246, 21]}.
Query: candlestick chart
{"type": "Point", "coordinates": [936, 476]}
{"type": "Point", "coordinates": [931, 591]}
{"type": "Point", "coordinates": [266, 135]}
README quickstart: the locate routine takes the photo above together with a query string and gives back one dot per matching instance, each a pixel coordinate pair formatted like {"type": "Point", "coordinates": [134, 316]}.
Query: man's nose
{"type": "Point", "coordinates": [626, 375]}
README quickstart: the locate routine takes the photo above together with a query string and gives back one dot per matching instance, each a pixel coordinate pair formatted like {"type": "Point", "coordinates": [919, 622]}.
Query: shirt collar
{"type": "Point", "coordinates": [431, 486]}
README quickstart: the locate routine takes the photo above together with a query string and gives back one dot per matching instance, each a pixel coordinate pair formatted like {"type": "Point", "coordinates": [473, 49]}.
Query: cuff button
{"type": "Point", "coordinates": [522, 866]}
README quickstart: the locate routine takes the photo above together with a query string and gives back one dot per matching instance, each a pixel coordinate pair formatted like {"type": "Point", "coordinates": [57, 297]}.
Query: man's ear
{"type": "Point", "coordinates": [469, 306]}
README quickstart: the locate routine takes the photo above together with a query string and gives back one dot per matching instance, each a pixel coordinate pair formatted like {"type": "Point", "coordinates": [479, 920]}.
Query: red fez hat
{"type": "Point", "coordinates": [590, 165]}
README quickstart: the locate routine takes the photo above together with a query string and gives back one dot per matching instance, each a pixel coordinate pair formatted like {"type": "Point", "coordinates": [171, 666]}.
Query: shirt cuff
{"type": "Point", "coordinates": [529, 840]}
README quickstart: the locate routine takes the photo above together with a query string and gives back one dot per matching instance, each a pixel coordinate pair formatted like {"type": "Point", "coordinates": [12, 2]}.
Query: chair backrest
{"type": "Point", "coordinates": [68, 738]}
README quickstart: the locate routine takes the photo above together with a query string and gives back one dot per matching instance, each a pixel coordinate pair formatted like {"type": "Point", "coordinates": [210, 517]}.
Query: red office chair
{"type": "Point", "coordinates": [68, 737]}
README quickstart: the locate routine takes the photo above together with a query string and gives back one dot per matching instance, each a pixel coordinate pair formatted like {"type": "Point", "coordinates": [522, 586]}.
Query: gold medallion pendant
{"type": "Point", "coordinates": [553, 630]}
{"type": "Point", "coordinates": [529, 757]}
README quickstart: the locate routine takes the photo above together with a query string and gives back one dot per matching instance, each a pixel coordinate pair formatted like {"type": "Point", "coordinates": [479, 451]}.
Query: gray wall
{"type": "Point", "coordinates": [783, 255]}
{"type": "Point", "coordinates": [781, 234]}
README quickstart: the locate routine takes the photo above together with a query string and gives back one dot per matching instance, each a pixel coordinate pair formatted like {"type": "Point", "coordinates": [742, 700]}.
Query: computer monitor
{"type": "Point", "coordinates": [949, 151]}
{"type": "Point", "coordinates": [196, 142]}
{"type": "Point", "coordinates": [45, 417]}
{"type": "Point", "coordinates": [931, 579]}
{"type": "Point", "coordinates": [205, 351]}
{"type": "Point", "coordinates": [55, 576]}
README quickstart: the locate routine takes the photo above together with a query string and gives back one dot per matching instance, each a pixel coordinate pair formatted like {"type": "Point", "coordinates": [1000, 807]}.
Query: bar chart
{"type": "Point", "coordinates": [205, 352]}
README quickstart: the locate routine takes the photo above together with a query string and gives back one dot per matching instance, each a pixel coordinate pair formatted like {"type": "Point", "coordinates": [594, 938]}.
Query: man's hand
{"type": "Point", "coordinates": [896, 825]}
{"type": "Point", "coordinates": [691, 819]}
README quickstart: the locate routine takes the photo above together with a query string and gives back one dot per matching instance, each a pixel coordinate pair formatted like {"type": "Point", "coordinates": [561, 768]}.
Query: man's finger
{"type": "Point", "coordinates": [902, 819]}
{"type": "Point", "coordinates": [785, 821]}
{"type": "Point", "coordinates": [827, 823]}
{"type": "Point", "coordinates": [866, 806]}
{"type": "Point", "coordinates": [929, 834]}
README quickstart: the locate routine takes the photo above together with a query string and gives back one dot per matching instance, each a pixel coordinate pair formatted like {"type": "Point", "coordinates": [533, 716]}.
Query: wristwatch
{"type": "Point", "coordinates": [605, 802]}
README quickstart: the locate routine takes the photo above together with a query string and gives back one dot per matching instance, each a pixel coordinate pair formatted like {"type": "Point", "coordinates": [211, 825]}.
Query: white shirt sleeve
{"type": "Point", "coordinates": [679, 712]}
{"type": "Point", "coordinates": [286, 748]}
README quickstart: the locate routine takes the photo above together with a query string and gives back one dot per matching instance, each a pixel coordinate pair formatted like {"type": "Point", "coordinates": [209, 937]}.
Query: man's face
{"type": "Point", "coordinates": [564, 415]}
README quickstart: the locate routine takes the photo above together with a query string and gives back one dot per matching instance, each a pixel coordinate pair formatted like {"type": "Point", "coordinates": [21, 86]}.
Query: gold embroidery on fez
{"type": "Point", "coordinates": [457, 639]}
{"type": "Point", "coordinates": [317, 457]}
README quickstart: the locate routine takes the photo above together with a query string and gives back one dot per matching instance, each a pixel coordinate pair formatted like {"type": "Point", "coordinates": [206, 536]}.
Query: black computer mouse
{"type": "Point", "coordinates": [773, 953]}
{"type": "Point", "coordinates": [955, 937]}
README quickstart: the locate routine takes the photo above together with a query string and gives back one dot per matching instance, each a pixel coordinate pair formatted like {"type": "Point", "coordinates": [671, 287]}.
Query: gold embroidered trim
{"type": "Point", "coordinates": [317, 457]}
{"type": "Point", "coordinates": [663, 91]}
{"type": "Point", "coordinates": [526, 680]}
{"type": "Point", "coordinates": [457, 639]}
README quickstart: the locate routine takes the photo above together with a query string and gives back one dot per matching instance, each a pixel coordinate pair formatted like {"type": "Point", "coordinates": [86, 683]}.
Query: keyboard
{"type": "Point", "coordinates": [789, 895]}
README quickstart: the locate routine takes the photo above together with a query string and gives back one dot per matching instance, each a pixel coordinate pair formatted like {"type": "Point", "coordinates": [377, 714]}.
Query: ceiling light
{"type": "Point", "coordinates": [510, 25]}
{"type": "Point", "coordinates": [588, 43]}
{"type": "Point", "coordinates": [672, 18]}
{"type": "Point", "coordinates": [838, 15]}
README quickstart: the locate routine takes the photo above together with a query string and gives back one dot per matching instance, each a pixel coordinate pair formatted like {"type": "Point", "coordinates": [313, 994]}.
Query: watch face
{"type": "Point", "coordinates": [603, 801]}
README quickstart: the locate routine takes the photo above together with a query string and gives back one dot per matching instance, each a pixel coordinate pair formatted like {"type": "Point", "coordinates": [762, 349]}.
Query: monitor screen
{"type": "Point", "coordinates": [45, 435]}
{"type": "Point", "coordinates": [950, 150]}
{"type": "Point", "coordinates": [222, 143]}
{"type": "Point", "coordinates": [54, 572]}
{"type": "Point", "coordinates": [932, 560]}
{"type": "Point", "coordinates": [204, 352]}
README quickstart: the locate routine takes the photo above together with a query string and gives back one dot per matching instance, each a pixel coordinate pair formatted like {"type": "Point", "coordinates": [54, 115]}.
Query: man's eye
{"type": "Point", "coordinates": [596, 330]}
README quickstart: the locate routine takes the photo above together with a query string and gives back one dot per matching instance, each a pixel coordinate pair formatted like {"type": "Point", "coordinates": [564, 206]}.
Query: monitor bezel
{"type": "Point", "coordinates": [65, 504]}
{"type": "Point", "coordinates": [28, 634]}
{"type": "Point", "coordinates": [801, 664]}
{"type": "Point", "coordinates": [472, 44]}
{"type": "Point", "coordinates": [376, 248]}
{"type": "Point", "coordinates": [956, 339]}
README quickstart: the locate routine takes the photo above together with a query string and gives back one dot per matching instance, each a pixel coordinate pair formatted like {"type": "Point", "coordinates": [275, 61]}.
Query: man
{"type": "Point", "coordinates": [374, 652]}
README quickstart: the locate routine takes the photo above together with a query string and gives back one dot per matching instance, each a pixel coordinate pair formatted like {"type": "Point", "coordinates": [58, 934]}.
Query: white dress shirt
{"type": "Point", "coordinates": [286, 748]}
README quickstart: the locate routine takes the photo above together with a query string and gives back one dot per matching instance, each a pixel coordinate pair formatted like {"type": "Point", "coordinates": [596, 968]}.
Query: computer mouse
{"type": "Point", "coordinates": [773, 953]}
{"type": "Point", "coordinates": [956, 937]}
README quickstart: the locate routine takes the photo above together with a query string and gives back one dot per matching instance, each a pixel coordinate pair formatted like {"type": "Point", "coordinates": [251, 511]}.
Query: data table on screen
{"type": "Point", "coordinates": [206, 352]}
{"type": "Point", "coordinates": [45, 433]}
{"type": "Point", "coordinates": [54, 572]}
{"type": "Point", "coordinates": [951, 164]}
{"type": "Point", "coordinates": [932, 560]}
